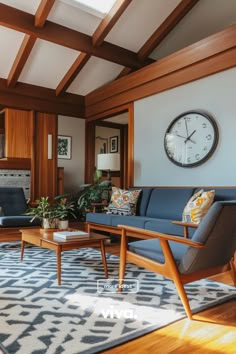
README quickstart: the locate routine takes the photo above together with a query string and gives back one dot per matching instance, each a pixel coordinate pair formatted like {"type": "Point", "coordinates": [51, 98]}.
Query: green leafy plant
{"type": "Point", "coordinates": [65, 208]}
{"type": "Point", "coordinates": [92, 193]}
{"type": "Point", "coordinates": [43, 210]}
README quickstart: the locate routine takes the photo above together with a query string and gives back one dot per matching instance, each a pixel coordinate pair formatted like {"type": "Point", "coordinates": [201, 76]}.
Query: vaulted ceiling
{"type": "Point", "coordinates": [55, 52]}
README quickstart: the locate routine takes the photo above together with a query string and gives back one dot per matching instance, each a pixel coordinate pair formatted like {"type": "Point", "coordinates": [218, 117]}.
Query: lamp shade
{"type": "Point", "coordinates": [108, 162]}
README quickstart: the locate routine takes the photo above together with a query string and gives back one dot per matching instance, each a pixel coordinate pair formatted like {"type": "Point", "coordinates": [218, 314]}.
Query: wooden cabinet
{"type": "Point", "coordinates": [18, 133]}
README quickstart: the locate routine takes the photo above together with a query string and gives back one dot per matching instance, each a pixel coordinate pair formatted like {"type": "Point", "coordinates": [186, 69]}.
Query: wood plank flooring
{"type": "Point", "coordinates": [211, 331]}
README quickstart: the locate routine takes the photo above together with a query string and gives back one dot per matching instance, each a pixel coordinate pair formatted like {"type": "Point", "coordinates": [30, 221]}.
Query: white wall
{"type": "Point", "coordinates": [105, 133]}
{"type": "Point", "coordinates": [215, 95]}
{"type": "Point", "coordinates": [74, 168]}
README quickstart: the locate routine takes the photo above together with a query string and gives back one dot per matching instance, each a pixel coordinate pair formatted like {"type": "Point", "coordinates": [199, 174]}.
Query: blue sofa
{"type": "Point", "coordinates": [157, 208]}
{"type": "Point", "coordinates": [12, 207]}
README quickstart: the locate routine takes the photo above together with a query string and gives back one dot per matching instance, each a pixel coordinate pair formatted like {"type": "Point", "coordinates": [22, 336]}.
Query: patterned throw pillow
{"type": "Point", "coordinates": [198, 206]}
{"type": "Point", "coordinates": [123, 202]}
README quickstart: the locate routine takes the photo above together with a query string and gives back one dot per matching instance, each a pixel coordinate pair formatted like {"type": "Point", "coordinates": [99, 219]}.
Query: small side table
{"type": "Point", "coordinates": [185, 225]}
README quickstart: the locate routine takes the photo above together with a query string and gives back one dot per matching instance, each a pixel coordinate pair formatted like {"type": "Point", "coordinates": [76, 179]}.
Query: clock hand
{"type": "Point", "coordinates": [188, 138]}
{"type": "Point", "coordinates": [184, 137]}
{"type": "Point", "coordinates": [186, 126]}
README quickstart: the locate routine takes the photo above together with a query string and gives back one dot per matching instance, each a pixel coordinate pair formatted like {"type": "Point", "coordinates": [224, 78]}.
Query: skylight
{"type": "Point", "coordinates": [96, 7]}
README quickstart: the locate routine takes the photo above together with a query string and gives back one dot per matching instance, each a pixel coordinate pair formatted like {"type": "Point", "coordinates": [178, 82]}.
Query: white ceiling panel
{"type": "Point", "coordinates": [74, 18]}
{"type": "Point", "coordinates": [8, 52]}
{"type": "Point", "coordinates": [119, 119]}
{"type": "Point", "coordinates": [139, 21]}
{"type": "Point", "coordinates": [29, 6]}
{"type": "Point", "coordinates": [206, 18]}
{"type": "Point", "coordinates": [96, 73]}
{"type": "Point", "coordinates": [47, 64]}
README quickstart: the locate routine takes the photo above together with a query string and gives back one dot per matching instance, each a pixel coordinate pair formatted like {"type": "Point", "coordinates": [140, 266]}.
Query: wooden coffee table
{"type": "Point", "coordinates": [46, 239]}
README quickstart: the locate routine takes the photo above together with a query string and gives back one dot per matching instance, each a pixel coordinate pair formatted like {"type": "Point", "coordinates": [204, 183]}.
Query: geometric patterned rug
{"type": "Point", "coordinates": [39, 317]}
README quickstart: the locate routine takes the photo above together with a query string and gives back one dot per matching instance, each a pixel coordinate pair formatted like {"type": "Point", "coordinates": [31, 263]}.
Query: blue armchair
{"type": "Point", "coordinates": [12, 207]}
{"type": "Point", "coordinates": [185, 260]}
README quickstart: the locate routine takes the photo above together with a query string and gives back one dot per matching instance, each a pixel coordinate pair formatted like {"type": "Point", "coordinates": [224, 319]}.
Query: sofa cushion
{"type": "Point", "coordinates": [14, 221]}
{"type": "Point", "coordinates": [12, 200]}
{"type": "Point", "coordinates": [152, 250]}
{"type": "Point", "coordinates": [197, 206]}
{"type": "Point", "coordinates": [99, 218]}
{"type": "Point", "coordinates": [129, 220]}
{"type": "Point", "coordinates": [168, 203]}
{"type": "Point", "coordinates": [123, 202]}
{"type": "Point", "coordinates": [143, 200]}
{"type": "Point", "coordinates": [166, 227]}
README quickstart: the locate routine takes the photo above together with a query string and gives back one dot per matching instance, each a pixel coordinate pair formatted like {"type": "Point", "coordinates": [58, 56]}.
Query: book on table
{"type": "Point", "coordinates": [70, 235]}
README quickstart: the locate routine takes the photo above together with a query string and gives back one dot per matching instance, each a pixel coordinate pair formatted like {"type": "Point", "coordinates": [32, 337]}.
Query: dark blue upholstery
{"type": "Point", "coordinates": [21, 220]}
{"type": "Point", "coordinates": [99, 218]}
{"type": "Point", "coordinates": [152, 249]}
{"type": "Point", "coordinates": [12, 200]}
{"type": "Point", "coordinates": [143, 201]}
{"type": "Point", "coordinates": [13, 204]}
{"type": "Point", "coordinates": [166, 227]}
{"type": "Point", "coordinates": [218, 232]}
{"type": "Point", "coordinates": [158, 207]}
{"type": "Point", "coordinates": [168, 203]}
{"type": "Point", "coordinates": [131, 220]}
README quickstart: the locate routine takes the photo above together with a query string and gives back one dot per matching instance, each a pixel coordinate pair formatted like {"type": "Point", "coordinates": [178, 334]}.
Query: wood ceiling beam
{"type": "Point", "coordinates": [28, 43]}
{"type": "Point", "coordinates": [109, 21]}
{"type": "Point", "coordinates": [98, 37]}
{"type": "Point", "coordinates": [42, 99]}
{"type": "Point", "coordinates": [52, 32]}
{"type": "Point", "coordinates": [20, 60]}
{"type": "Point", "coordinates": [166, 27]}
{"type": "Point", "coordinates": [201, 51]}
{"type": "Point", "coordinates": [42, 12]}
{"type": "Point", "coordinates": [162, 31]}
{"type": "Point", "coordinates": [71, 74]}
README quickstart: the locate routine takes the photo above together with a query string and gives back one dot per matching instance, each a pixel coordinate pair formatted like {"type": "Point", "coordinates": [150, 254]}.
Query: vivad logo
{"type": "Point", "coordinates": [112, 286]}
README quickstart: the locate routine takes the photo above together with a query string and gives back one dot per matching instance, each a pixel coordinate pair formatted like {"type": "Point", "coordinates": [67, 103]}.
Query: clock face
{"type": "Point", "coordinates": [191, 139]}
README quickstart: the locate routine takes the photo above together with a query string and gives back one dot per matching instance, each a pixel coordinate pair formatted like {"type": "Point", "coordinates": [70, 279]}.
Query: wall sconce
{"type": "Point", "coordinates": [49, 146]}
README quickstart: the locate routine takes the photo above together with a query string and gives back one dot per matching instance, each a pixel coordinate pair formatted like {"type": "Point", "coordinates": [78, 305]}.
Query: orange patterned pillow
{"type": "Point", "coordinates": [198, 206]}
{"type": "Point", "coordinates": [123, 202]}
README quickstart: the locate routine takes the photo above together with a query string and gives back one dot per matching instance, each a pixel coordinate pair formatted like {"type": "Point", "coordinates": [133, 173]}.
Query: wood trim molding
{"type": "Point", "coordinates": [24, 22]}
{"type": "Point", "coordinates": [31, 97]}
{"type": "Point", "coordinates": [109, 21]}
{"type": "Point", "coordinates": [15, 164]}
{"type": "Point", "coordinates": [206, 57]}
{"type": "Point", "coordinates": [131, 145]}
{"type": "Point", "coordinates": [166, 27]}
{"type": "Point", "coordinates": [223, 61]}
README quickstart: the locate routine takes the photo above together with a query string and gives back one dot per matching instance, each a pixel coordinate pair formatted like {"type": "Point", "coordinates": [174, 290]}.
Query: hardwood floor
{"type": "Point", "coordinates": [211, 331]}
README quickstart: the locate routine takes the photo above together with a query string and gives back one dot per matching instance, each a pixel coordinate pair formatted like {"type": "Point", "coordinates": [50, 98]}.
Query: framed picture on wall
{"type": "Point", "coordinates": [114, 143]}
{"type": "Point", "coordinates": [64, 144]}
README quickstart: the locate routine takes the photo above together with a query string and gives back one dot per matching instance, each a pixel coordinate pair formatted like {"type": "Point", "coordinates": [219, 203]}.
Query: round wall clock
{"type": "Point", "coordinates": [191, 139]}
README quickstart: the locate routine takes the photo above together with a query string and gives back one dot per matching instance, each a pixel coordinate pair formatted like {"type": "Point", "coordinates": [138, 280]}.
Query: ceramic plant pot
{"type": "Point", "coordinates": [62, 224]}
{"type": "Point", "coordinates": [48, 223]}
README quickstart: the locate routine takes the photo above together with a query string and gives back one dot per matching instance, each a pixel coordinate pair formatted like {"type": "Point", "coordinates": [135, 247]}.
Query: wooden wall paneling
{"type": "Point", "coordinates": [211, 48]}
{"type": "Point", "coordinates": [45, 170]}
{"type": "Point", "coordinates": [89, 152]}
{"type": "Point", "coordinates": [210, 66]}
{"type": "Point", "coordinates": [18, 133]}
{"type": "Point", "coordinates": [33, 160]}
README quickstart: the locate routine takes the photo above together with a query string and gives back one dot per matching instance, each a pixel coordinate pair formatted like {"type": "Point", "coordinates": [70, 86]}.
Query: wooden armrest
{"type": "Point", "coordinates": [183, 223]}
{"type": "Point", "coordinates": [147, 234]}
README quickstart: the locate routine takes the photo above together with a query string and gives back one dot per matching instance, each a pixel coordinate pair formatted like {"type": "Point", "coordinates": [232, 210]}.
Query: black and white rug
{"type": "Point", "coordinates": [85, 314]}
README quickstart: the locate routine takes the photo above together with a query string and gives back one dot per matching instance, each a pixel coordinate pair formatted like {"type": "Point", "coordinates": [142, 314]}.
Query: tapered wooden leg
{"type": "Point", "coordinates": [104, 260]}
{"type": "Point", "coordinates": [183, 297]}
{"type": "Point", "coordinates": [22, 250]}
{"type": "Point", "coordinates": [122, 259]}
{"type": "Point", "coordinates": [58, 252]}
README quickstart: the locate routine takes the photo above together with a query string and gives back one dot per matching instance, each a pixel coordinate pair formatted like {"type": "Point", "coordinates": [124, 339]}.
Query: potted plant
{"type": "Point", "coordinates": [45, 212]}
{"type": "Point", "coordinates": [64, 211]}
